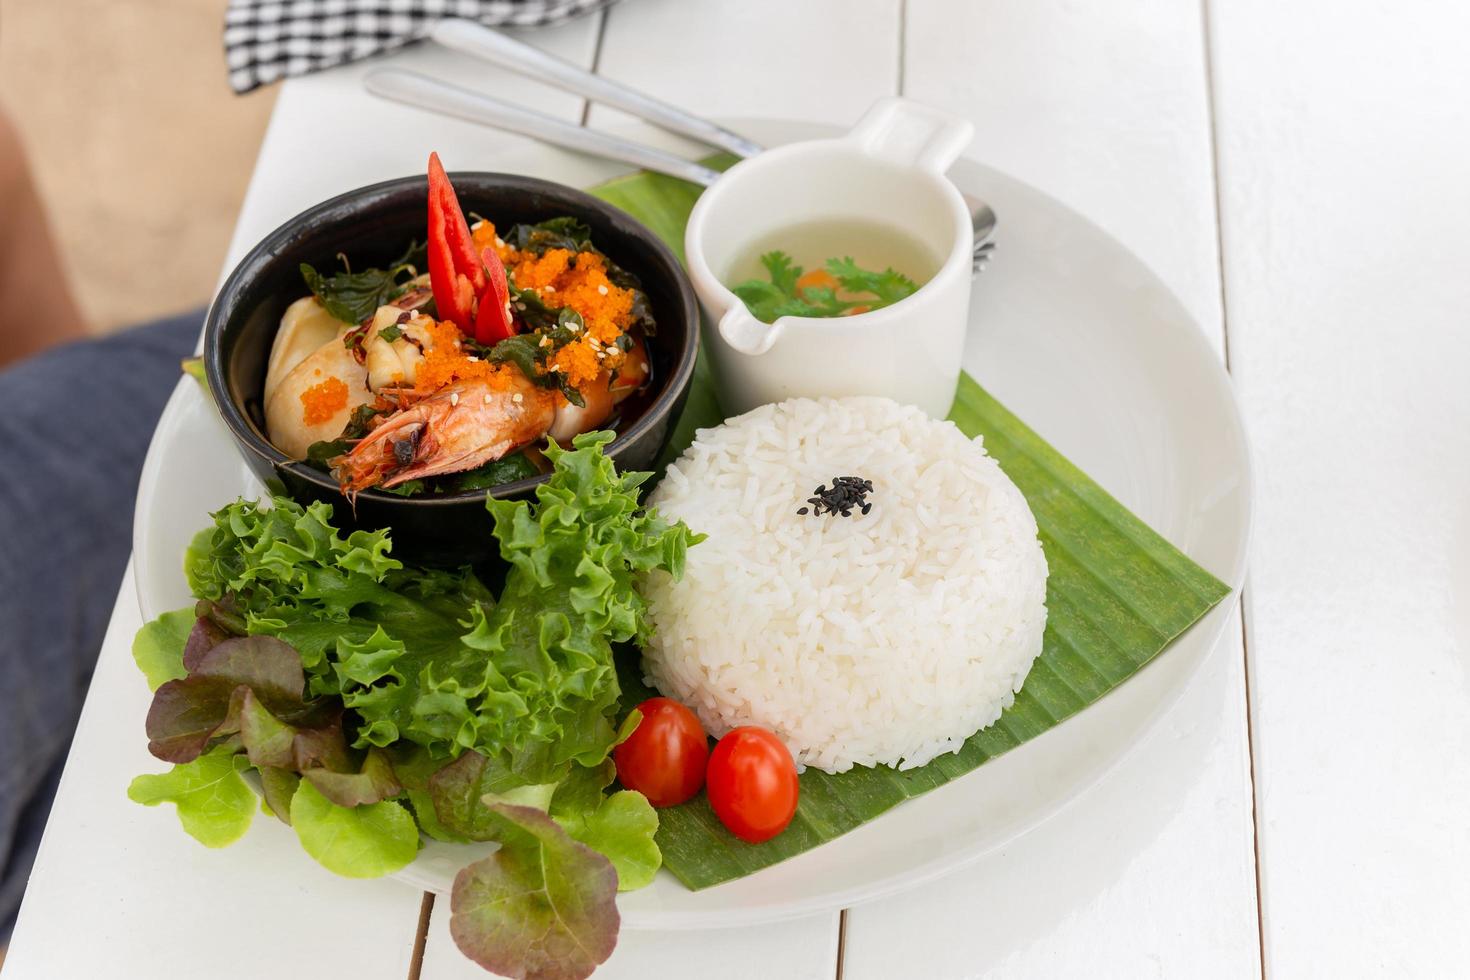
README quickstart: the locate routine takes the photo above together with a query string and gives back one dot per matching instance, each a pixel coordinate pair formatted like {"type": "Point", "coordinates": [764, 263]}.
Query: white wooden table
{"type": "Point", "coordinates": [1298, 174]}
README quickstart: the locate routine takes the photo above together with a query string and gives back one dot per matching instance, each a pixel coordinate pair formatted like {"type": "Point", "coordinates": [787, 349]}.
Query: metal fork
{"type": "Point", "coordinates": [499, 49]}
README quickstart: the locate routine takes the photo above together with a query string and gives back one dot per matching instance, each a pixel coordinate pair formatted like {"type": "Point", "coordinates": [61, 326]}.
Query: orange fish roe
{"type": "Point", "coordinates": [484, 236]}
{"type": "Point", "coordinates": [446, 362]}
{"type": "Point", "coordinates": [606, 309]}
{"type": "Point", "coordinates": [540, 271]}
{"type": "Point", "coordinates": [564, 279]}
{"type": "Point", "coordinates": [322, 401]}
{"type": "Point", "coordinates": [578, 361]}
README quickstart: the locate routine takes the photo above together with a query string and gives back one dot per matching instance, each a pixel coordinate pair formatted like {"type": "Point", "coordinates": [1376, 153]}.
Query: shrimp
{"type": "Point", "coordinates": [460, 427]}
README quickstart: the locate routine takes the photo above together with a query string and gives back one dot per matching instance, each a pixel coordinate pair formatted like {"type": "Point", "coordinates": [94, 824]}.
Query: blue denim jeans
{"type": "Point", "coordinates": [74, 426]}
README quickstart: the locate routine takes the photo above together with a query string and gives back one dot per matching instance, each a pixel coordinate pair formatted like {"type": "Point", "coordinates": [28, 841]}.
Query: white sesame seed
{"type": "Point", "coordinates": [521, 307]}
{"type": "Point", "coordinates": [487, 398]}
{"type": "Point", "coordinates": [550, 289]}
{"type": "Point", "coordinates": [602, 290]}
{"type": "Point", "coordinates": [454, 398]}
{"type": "Point", "coordinates": [517, 398]}
{"type": "Point", "coordinates": [499, 242]}
{"type": "Point", "coordinates": [472, 358]}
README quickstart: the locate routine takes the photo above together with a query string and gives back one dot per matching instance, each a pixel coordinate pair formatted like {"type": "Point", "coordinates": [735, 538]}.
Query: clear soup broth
{"type": "Point", "coordinates": [873, 246]}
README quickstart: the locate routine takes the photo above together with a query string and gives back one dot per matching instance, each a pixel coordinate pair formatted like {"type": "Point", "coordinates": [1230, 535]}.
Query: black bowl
{"type": "Point", "coordinates": [372, 226]}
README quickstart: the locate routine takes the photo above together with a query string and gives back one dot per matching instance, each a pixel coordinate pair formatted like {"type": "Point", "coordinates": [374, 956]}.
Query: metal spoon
{"type": "Point", "coordinates": [506, 52]}
{"type": "Point", "coordinates": [423, 92]}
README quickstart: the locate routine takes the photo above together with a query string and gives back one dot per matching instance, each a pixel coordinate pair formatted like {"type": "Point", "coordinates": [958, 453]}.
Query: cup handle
{"type": "Point", "coordinates": [911, 134]}
{"type": "Point", "coordinates": [745, 333]}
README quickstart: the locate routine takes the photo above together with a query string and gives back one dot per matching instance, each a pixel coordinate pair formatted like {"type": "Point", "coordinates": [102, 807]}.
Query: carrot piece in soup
{"type": "Point", "coordinates": [816, 279]}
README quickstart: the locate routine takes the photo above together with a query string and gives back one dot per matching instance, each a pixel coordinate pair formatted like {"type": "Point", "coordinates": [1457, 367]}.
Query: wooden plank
{"type": "Point", "coordinates": [1126, 881]}
{"type": "Point", "coordinates": [1102, 106]}
{"type": "Point", "coordinates": [820, 60]}
{"type": "Point", "coordinates": [1344, 142]}
{"type": "Point", "coordinates": [118, 890]}
{"type": "Point", "coordinates": [798, 949]}
{"type": "Point", "coordinates": [1152, 870]}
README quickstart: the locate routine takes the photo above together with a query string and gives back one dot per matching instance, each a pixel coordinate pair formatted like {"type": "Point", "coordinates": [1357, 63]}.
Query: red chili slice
{"type": "Point", "coordinates": [455, 270]}
{"type": "Point", "coordinates": [493, 321]}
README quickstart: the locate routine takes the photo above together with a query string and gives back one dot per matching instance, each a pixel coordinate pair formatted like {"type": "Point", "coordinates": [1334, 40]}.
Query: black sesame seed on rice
{"type": "Point", "coordinates": [846, 493]}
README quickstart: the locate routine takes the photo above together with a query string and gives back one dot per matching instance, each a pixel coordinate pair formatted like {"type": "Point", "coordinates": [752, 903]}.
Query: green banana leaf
{"type": "Point", "coordinates": [1117, 595]}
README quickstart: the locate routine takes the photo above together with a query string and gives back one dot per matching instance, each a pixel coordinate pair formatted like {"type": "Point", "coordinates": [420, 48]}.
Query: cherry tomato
{"type": "Point", "coordinates": [664, 758]}
{"type": "Point", "coordinates": [752, 784]}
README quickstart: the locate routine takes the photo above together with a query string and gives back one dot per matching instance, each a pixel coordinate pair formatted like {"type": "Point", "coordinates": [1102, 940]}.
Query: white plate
{"type": "Point", "coordinates": [1077, 337]}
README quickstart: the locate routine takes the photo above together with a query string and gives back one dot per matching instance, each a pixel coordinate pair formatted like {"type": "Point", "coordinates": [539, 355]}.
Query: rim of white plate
{"type": "Point", "coordinates": [154, 588]}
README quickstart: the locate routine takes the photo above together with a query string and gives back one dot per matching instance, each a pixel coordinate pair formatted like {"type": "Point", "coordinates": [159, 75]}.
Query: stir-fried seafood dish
{"type": "Point", "coordinates": [449, 377]}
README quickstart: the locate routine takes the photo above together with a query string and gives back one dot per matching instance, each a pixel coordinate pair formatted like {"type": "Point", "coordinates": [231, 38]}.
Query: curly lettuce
{"type": "Point", "coordinates": [373, 703]}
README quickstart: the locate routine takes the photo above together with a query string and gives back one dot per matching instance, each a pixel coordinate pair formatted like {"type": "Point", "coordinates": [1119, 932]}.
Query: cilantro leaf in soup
{"type": "Point", "coordinates": [839, 289]}
{"type": "Point", "coordinates": [214, 802]}
{"type": "Point", "coordinates": [355, 842]}
{"type": "Point", "coordinates": [888, 286]}
{"type": "Point", "coordinates": [542, 907]}
{"type": "Point", "coordinates": [783, 273]}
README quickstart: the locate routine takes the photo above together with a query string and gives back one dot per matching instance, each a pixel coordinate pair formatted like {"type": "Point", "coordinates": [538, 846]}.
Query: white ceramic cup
{"type": "Point", "coordinates": [888, 169]}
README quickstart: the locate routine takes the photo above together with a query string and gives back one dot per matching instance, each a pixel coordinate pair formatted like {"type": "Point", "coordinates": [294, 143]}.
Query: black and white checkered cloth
{"type": "Point", "coordinates": [267, 40]}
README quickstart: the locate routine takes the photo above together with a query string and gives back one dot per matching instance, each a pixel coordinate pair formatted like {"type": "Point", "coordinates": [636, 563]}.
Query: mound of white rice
{"type": "Point", "coordinates": [879, 639]}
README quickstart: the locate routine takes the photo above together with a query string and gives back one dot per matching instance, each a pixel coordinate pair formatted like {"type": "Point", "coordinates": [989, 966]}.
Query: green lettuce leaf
{"type": "Point", "coordinates": [240, 674]}
{"type": "Point", "coordinates": [542, 907]}
{"type": "Point", "coordinates": [355, 842]}
{"type": "Point", "coordinates": [457, 791]}
{"type": "Point", "coordinates": [215, 803]}
{"type": "Point", "coordinates": [414, 767]}
{"type": "Point", "coordinates": [377, 701]}
{"type": "Point", "coordinates": [622, 830]}
{"type": "Point", "coordinates": [427, 657]}
{"type": "Point", "coordinates": [277, 787]}
{"type": "Point", "coordinates": [373, 781]}
{"type": "Point", "coordinates": [620, 827]}
{"type": "Point", "coordinates": [158, 648]}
